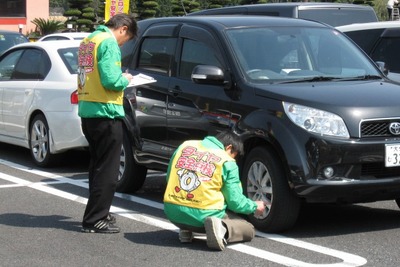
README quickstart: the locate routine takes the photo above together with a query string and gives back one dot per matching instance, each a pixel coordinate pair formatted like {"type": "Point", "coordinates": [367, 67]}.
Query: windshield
{"type": "Point", "coordinates": [9, 40]}
{"type": "Point", "coordinates": [279, 54]}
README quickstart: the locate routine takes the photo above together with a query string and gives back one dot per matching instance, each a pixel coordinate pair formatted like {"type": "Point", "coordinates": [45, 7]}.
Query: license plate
{"type": "Point", "coordinates": [392, 155]}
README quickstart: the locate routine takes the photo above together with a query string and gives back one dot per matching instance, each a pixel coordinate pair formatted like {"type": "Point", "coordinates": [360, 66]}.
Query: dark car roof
{"type": "Point", "coordinates": [283, 6]}
{"type": "Point", "coordinates": [220, 21]}
{"type": "Point", "coordinates": [308, 4]}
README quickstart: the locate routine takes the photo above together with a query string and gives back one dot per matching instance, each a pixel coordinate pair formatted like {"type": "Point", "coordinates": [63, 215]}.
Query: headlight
{"type": "Point", "coordinates": [316, 120]}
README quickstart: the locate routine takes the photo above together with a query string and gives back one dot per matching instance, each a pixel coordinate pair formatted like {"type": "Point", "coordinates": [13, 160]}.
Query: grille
{"type": "Point", "coordinates": [378, 170]}
{"type": "Point", "coordinates": [375, 129]}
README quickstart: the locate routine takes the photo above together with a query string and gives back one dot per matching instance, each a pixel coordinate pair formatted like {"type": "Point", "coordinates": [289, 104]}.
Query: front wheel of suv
{"type": "Point", "coordinates": [264, 179]}
{"type": "Point", "coordinates": [131, 176]}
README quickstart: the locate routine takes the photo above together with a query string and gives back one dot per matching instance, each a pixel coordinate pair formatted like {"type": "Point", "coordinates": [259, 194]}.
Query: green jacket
{"type": "Point", "coordinates": [231, 190]}
{"type": "Point", "coordinates": [107, 67]}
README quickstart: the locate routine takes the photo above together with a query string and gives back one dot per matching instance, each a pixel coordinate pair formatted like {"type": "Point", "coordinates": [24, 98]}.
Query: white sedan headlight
{"type": "Point", "coordinates": [316, 120]}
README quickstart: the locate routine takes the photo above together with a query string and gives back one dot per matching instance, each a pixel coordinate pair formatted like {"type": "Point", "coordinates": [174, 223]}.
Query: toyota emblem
{"type": "Point", "coordinates": [394, 128]}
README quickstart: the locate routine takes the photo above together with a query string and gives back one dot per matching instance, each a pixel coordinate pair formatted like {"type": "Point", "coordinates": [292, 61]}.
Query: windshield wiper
{"type": "Point", "coordinates": [330, 78]}
{"type": "Point", "coordinates": [362, 77]}
{"type": "Point", "coordinates": [312, 79]}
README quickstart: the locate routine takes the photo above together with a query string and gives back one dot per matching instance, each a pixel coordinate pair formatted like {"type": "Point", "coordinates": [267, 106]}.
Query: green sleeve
{"type": "Point", "coordinates": [233, 191]}
{"type": "Point", "coordinates": [109, 65]}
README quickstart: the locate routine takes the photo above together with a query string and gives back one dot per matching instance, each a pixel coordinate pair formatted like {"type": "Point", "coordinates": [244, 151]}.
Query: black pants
{"type": "Point", "coordinates": [105, 140]}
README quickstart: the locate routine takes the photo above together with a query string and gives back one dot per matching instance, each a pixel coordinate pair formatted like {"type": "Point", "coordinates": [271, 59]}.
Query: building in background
{"type": "Point", "coordinates": [16, 15]}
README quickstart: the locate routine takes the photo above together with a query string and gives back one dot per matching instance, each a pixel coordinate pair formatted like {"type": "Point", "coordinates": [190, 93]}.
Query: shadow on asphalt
{"type": "Point", "coordinates": [35, 221]}
{"type": "Point", "coordinates": [318, 220]}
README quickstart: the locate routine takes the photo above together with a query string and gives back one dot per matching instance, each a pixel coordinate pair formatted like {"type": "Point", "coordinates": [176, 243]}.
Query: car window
{"type": "Point", "coordinates": [282, 53]}
{"type": "Point", "coordinates": [338, 16]}
{"type": "Point", "coordinates": [156, 54]}
{"type": "Point", "coordinates": [52, 38]}
{"type": "Point", "coordinates": [70, 58]}
{"type": "Point", "coordinates": [7, 64]}
{"type": "Point", "coordinates": [9, 40]}
{"type": "Point", "coordinates": [365, 44]}
{"type": "Point", "coordinates": [32, 65]}
{"type": "Point", "coordinates": [193, 54]}
{"type": "Point", "coordinates": [387, 50]}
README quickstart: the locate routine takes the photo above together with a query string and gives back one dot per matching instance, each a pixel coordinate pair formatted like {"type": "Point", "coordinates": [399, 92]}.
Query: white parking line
{"type": "Point", "coordinates": [348, 260]}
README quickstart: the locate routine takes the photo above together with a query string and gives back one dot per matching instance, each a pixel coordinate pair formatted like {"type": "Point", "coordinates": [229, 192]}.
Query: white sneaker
{"type": "Point", "coordinates": [185, 236]}
{"type": "Point", "coordinates": [215, 232]}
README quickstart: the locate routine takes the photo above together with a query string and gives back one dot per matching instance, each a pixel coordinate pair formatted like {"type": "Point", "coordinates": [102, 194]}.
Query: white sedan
{"type": "Point", "coordinates": [38, 99]}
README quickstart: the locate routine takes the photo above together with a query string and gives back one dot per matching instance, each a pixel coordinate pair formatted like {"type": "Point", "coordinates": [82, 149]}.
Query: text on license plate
{"type": "Point", "coordinates": [392, 155]}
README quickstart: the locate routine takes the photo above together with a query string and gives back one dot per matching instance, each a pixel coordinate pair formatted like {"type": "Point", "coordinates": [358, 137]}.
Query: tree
{"type": "Point", "coordinates": [147, 9]}
{"type": "Point", "coordinates": [81, 15]}
{"type": "Point", "coordinates": [45, 27]}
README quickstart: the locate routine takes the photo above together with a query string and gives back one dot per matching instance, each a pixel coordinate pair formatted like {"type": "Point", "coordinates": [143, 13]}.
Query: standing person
{"type": "Point", "coordinates": [101, 84]}
{"type": "Point", "coordinates": [390, 5]}
{"type": "Point", "coordinates": [204, 192]}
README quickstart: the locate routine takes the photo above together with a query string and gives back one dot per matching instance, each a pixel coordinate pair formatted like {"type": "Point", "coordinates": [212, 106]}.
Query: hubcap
{"type": "Point", "coordinates": [122, 163]}
{"type": "Point", "coordinates": [39, 141]}
{"type": "Point", "coordinates": [259, 185]}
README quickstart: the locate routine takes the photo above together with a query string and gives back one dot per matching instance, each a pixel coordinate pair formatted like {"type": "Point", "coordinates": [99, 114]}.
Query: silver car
{"type": "Point", "coordinates": [38, 99]}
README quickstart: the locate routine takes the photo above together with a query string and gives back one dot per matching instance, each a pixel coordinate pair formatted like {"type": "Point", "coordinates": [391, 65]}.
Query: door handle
{"type": "Point", "coordinates": [175, 90]}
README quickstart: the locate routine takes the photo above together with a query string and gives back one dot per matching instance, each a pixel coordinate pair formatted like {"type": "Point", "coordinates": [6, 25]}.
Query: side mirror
{"type": "Point", "coordinates": [382, 66]}
{"type": "Point", "coordinates": [206, 74]}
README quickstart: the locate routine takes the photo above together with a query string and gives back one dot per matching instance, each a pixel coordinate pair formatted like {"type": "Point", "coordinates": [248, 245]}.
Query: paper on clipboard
{"type": "Point", "coordinates": [140, 79]}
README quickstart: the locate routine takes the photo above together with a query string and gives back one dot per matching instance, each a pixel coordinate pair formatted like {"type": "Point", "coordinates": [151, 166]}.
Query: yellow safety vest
{"type": "Point", "coordinates": [94, 91]}
{"type": "Point", "coordinates": [195, 177]}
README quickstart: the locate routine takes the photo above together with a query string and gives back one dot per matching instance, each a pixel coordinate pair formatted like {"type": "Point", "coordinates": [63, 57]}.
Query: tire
{"type": "Point", "coordinates": [264, 179]}
{"type": "Point", "coordinates": [39, 142]}
{"type": "Point", "coordinates": [131, 176]}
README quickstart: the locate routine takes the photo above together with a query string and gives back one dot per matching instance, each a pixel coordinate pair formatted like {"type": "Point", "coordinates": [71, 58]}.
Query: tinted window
{"type": "Point", "coordinates": [8, 63]}
{"type": "Point", "coordinates": [33, 65]}
{"type": "Point", "coordinates": [13, 8]}
{"type": "Point", "coordinates": [156, 54]}
{"type": "Point", "coordinates": [387, 50]}
{"type": "Point", "coordinates": [193, 54]}
{"type": "Point", "coordinates": [55, 38]}
{"type": "Point", "coordinates": [365, 44]}
{"type": "Point", "coordinates": [338, 17]}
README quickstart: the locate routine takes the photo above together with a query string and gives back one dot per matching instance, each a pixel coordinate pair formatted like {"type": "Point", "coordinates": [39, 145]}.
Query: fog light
{"type": "Point", "coordinates": [329, 172]}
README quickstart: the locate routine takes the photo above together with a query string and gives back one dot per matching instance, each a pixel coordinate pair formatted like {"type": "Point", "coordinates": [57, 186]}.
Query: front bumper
{"type": "Point", "coordinates": [356, 169]}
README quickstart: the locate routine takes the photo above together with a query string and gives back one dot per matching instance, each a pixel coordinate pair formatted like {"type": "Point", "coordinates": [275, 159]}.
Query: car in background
{"type": "Point", "coordinates": [64, 36]}
{"type": "Point", "coordinates": [318, 119]}
{"type": "Point", "coordinates": [380, 40]}
{"type": "Point", "coordinates": [334, 14]}
{"type": "Point", "coordinates": [38, 99]}
{"type": "Point", "coordinates": [10, 38]}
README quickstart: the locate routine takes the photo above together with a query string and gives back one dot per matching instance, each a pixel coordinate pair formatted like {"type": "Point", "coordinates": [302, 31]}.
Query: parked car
{"type": "Point", "coordinates": [9, 39]}
{"type": "Point", "coordinates": [380, 40]}
{"type": "Point", "coordinates": [38, 99]}
{"type": "Point", "coordinates": [64, 36]}
{"type": "Point", "coordinates": [334, 14]}
{"type": "Point", "coordinates": [319, 120]}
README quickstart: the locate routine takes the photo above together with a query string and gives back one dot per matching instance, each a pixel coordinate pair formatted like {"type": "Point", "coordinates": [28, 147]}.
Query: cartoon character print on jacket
{"type": "Point", "coordinates": [188, 181]}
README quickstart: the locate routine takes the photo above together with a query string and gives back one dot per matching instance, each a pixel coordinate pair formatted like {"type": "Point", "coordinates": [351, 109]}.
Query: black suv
{"type": "Point", "coordinates": [319, 120]}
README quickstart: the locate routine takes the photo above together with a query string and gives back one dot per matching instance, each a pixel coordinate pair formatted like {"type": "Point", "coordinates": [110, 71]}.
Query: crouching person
{"type": "Point", "coordinates": [204, 192]}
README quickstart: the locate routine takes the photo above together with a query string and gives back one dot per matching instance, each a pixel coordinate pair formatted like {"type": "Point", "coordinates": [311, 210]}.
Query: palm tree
{"type": "Point", "coordinates": [47, 26]}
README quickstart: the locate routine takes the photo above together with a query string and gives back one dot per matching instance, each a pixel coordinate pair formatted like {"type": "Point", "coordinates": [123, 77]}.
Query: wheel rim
{"type": "Point", "coordinates": [39, 141]}
{"type": "Point", "coordinates": [122, 163]}
{"type": "Point", "coordinates": [259, 186]}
